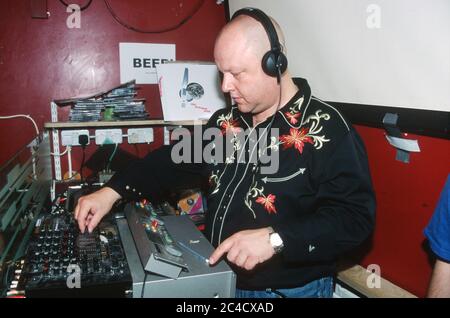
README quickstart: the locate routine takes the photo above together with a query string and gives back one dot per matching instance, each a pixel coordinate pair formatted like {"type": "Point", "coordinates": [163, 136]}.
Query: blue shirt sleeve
{"type": "Point", "coordinates": [438, 230]}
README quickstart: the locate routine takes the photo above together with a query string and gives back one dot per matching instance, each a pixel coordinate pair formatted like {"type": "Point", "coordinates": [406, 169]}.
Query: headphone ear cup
{"type": "Point", "coordinates": [269, 64]}
{"type": "Point", "coordinates": [272, 61]}
{"type": "Point", "coordinates": [282, 62]}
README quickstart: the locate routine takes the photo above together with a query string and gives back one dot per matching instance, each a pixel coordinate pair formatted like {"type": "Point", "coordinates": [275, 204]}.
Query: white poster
{"type": "Point", "coordinates": [189, 90]}
{"type": "Point", "coordinates": [139, 60]}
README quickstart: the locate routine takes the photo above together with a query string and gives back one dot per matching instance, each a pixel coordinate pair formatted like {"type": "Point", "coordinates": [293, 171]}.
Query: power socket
{"type": "Point", "coordinates": [108, 136]}
{"type": "Point", "coordinates": [71, 137]}
{"type": "Point", "coordinates": [140, 135]}
{"type": "Point", "coordinates": [166, 136]}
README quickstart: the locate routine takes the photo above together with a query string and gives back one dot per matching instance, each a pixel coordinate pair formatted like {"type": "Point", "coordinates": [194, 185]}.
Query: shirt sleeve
{"type": "Point", "coordinates": [345, 207]}
{"type": "Point", "coordinates": [155, 175]}
{"type": "Point", "coordinates": [438, 230]}
{"type": "Point", "coordinates": [160, 172]}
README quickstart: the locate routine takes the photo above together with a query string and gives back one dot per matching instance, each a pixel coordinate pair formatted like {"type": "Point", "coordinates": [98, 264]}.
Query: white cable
{"type": "Point", "coordinates": [24, 116]}
{"type": "Point", "coordinates": [69, 161]}
{"type": "Point", "coordinates": [63, 153]}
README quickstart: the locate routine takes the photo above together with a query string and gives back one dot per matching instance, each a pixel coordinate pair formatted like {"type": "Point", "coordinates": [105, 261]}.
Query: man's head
{"type": "Point", "coordinates": [274, 62]}
{"type": "Point", "coordinates": [238, 53]}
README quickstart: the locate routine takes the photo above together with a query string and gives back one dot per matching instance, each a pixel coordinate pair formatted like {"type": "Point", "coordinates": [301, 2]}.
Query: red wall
{"type": "Point", "coordinates": [406, 197]}
{"type": "Point", "coordinates": [41, 60]}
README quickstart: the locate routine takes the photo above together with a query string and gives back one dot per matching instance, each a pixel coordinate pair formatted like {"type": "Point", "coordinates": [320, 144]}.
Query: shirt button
{"type": "Point", "coordinates": [134, 190]}
{"type": "Point", "coordinates": [220, 218]}
{"type": "Point", "coordinates": [127, 187]}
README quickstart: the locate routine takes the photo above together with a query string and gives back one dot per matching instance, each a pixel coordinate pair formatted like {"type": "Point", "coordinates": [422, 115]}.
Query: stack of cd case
{"type": "Point", "coordinates": [119, 103]}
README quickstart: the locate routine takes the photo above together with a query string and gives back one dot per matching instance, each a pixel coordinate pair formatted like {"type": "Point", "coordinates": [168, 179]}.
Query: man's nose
{"type": "Point", "coordinates": [226, 83]}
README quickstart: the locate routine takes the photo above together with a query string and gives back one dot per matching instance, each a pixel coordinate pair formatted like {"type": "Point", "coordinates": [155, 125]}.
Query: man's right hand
{"type": "Point", "coordinates": [92, 208]}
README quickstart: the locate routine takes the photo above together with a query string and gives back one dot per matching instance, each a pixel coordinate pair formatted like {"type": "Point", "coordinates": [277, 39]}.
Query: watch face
{"type": "Point", "coordinates": [275, 240]}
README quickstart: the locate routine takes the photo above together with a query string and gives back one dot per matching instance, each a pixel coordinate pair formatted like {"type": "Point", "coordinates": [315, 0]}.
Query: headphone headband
{"type": "Point", "coordinates": [266, 23]}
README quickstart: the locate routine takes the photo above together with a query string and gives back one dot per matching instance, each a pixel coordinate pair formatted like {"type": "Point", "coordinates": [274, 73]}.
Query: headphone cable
{"type": "Point", "coordinates": [269, 126]}
{"type": "Point", "coordinates": [279, 104]}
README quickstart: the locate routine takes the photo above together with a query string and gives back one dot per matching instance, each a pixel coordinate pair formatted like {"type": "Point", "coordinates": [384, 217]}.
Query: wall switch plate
{"type": "Point", "coordinates": [140, 135]}
{"type": "Point", "coordinates": [70, 137]}
{"type": "Point", "coordinates": [166, 136]}
{"type": "Point", "coordinates": [108, 136]}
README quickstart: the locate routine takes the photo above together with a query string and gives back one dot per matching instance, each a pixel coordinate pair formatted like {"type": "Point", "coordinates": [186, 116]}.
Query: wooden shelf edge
{"type": "Point", "coordinates": [356, 278]}
{"type": "Point", "coordinates": [128, 123]}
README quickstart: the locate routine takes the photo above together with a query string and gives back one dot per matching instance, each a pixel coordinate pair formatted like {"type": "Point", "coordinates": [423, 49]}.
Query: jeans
{"type": "Point", "coordinates": [320, 288]}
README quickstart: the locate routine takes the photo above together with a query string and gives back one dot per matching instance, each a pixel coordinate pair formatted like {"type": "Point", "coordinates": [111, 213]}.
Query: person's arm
{"type": "Point", "coordinates": [154, 175]}
{"type": "Point", "coordinates": [150, 177]}
{"type": "Point", "coordinates": [440, 280]}
{"type": "Point", "coordinates": [437, 232]}
{"type": "Point", "coordinates": [345, 213]}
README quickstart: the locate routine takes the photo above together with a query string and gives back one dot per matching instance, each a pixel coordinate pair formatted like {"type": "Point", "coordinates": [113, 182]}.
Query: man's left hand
{"type": "Point", "coordinates": [246, 248]}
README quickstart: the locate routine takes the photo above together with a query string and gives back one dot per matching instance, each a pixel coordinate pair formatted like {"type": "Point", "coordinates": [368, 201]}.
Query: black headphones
{"type": "Point", "coordinates": [274, 62]}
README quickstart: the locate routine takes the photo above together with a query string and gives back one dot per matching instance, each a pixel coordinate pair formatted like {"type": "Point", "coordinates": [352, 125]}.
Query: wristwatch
{"type": "Point", "coordinates": [275, 241]}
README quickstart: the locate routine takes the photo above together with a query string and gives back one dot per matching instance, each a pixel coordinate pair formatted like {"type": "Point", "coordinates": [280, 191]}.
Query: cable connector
{"type": "Point", "coordinates": [83, 140]}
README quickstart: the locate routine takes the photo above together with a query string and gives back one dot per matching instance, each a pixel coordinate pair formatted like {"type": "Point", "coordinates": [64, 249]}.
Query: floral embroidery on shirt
{"type": "Point", "coordinates": [268, 202]}
{"type": "Point", "coordinates": [214, 182]}
{"type": "Point", "coordinates": [314, 129]}
{"type": "Point", "coordinates": [227, 124]}
{"type": "Point", "coordinates": [297, 104]}
{"type": "Point", "coordinates": [296, 138]}
{"type": "Point", "coordinates": [293, 117]}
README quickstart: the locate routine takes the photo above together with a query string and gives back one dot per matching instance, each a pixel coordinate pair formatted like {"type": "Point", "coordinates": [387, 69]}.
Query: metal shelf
{"type": "Point", "coordinates": [127, 123]}
{"type": "Point", "coordinates": [56, 126]}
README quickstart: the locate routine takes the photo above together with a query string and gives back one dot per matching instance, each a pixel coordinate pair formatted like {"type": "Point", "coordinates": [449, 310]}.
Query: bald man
{"type": "Point", "coordinates": [281, 231]}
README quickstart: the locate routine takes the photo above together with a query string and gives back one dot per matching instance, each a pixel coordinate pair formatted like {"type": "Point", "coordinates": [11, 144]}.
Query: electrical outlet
{"type": "Point", "coordinates": [166, 136]}
{"type": "Point", "coordinates": [70, 137]}
{"type": "Point", "coordinates": [140, 135]}
{"type": "Point", "coordinates": [108, 136]}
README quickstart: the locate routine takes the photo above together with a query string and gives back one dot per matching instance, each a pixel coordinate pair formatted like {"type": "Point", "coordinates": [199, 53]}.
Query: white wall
{"type": "Point", "coordinates": [378, 52]}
